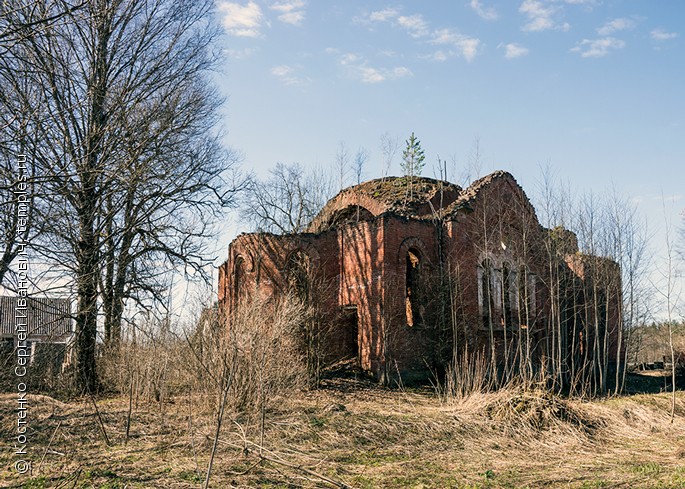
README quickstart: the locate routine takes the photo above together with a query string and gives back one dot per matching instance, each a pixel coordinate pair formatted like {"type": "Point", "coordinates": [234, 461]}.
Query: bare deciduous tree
{"type": "Point", "coordinates": [16, 208]}
{"type": "Point", "coordinates": [342, 163]}
{"type": "Point", "coordinates": [287, 200]}
{"type": "Point", "coordinates": [389, 148]}
{"type": "Point", "coordinates": [474, 169]}
{"type": "Point", "coordinates": [124, 144]}
{"type": "Point", "coordinates": [33, 19]}
{"type": "Point", "coordinates": [360, 159]}
{"type": "Point", "coordinates": [670, 292]}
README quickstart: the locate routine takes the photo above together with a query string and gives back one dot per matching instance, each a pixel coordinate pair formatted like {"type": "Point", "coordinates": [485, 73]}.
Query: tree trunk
{"type": "Point", "coordinates": [86, 315]}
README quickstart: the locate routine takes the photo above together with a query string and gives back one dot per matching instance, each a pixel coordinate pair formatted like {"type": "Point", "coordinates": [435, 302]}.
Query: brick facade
{"type": "Point", "coordinates": [411, 271]}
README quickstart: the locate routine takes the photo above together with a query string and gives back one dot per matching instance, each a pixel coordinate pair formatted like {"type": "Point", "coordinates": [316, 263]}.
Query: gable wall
{"type": "Point", "coordinates": [502, 227]}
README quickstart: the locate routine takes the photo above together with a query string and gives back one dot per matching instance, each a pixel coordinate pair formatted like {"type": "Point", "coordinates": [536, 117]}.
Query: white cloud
{"type": "Point", "coordinates": [368, 74]}
{"type": "Point", "coordinates": [359, 68]}
{"type": "Point", "coordinates": [378, 16]}
{"type": "Point", "coordinates": [488, 13]}
{"type": "Point", "coordinates": [349, 58]}
{"type": "Point", "coordinates": [388, 53]}
{"type": "Point", "coordinates": [287, 74]}
{"type": "Point", "coordinates": [541, 16]}
{"type": "Point", "coordinates": [513, 50]}
{"type": "Point", "coordinates": [597, 48]}
{"type": "Point", "coordinates": [239, 20]}
{"type": "Point", "coordinates": [292, 12]}
{"type": "Point", "coordinates": [239, 53]}
{"type": "Point", "coordinates": [615, 25]}
{"type": "Point", "coordinates": [439, 56]}
{"type": "Point", "coordinates": [288, 6]}
{"type": "Point", "coordinates": [467, 47]}
{"type": "Point", "coordinates": [401, 71]}
{"type": "Point", "coordinates": [415, 24]}
{"type": "Point", "coordinates": [419, 28]}
{"type": "Point", "coordinates": [294, 18]}
{"type": "Point", "coordinates": [383, 15]}
{"type": "Point", "coordinates": [662, 35]}
{"type": "Point", "coordinates": [282, 70]}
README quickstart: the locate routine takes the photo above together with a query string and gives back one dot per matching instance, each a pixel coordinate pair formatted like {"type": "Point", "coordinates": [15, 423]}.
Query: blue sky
{"type": "Point", "coordinates": [592, 88]}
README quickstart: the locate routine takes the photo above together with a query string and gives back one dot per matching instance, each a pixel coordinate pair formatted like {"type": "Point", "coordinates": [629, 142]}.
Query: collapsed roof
{"type": "Point", "coordinates": [414, 197]}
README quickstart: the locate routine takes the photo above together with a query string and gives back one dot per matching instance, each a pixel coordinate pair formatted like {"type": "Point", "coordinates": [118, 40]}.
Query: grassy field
{"type": "Point", "coordinates": [352, 434]}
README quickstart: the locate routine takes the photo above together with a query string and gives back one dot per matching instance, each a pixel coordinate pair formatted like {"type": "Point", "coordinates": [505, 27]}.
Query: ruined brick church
{"type": "Point", "coordinates": [410, 271]}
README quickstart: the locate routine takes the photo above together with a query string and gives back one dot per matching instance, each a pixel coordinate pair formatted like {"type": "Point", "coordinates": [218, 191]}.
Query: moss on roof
{"type": "Point", "coordinates": [469, 194]}
{"type": "Point", "coordinates": [403, 195]}
{"type": "Point", "coordinates": [409, 197]}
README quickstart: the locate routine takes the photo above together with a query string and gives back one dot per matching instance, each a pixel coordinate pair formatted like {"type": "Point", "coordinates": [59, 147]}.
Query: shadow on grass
{"type": "Point", "coordinates": [651, 382]}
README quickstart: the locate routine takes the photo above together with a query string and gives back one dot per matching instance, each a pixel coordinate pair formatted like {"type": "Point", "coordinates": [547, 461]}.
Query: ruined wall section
{"type": "Point", "coordinates": [361, 283]}
{"type": "Point", "coordinates": [493, 226]}
{"type": "Point", "coordinates": [258, 264]}
{"type": "Point", "coordinates": [344, 200]}
{"type": "Point", "coordinates": [410, 297]}
{"type": "Point", "coordinates": [599, 306]}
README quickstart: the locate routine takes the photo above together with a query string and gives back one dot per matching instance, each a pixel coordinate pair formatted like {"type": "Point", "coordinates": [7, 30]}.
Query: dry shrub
{"type": "Point", "coordinates": [264, 350]}
{"type": "Point", "coordinates": [474, 373]}
{"type": "Point", "coordinates": [256, 355]}
{"type": "Point", "coordinates": [150, 363]}
{"type": "Point", "coordinates": [470, 374]}
{"type": "Point", "coordinates": [537, 411]}
{"type": "Point", "coordinates": [45, 372]}
{"type": "Point", "coordinates": [679, 356]}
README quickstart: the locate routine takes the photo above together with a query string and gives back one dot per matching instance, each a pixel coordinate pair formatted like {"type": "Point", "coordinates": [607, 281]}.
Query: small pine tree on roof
{"type": "Point", "coordinates": [412, 157]}
{"type": "Point", "coordinates": [412, 160]}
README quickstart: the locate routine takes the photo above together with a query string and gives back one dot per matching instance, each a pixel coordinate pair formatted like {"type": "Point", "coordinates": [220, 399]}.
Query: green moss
{"type": "Point", "coordinates": [190, 476]}
{"type": "Point", "coordinates": [36, 483]}
{"type": "Point", "coordinates": [647, 468]}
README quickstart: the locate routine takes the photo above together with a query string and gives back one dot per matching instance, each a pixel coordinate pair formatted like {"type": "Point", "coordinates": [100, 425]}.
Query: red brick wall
{"type": "Point", "coordinates": [409, 348]}
{"type": "Point", "coordinates": [503, 228]}
{"type": "Point", "coordinates": [363, 266]}
{"type": "Point", "coordinates": [361, 257]}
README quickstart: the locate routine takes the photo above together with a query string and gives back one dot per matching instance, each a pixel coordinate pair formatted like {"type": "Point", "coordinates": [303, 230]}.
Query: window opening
{"type": "Point", "coordinates": [297, 274]}
{"type": "Point", "coordinates": [412, 289]}
{"type": "Point", "coordinates": [239, 277]}
{"type": "Point", "coordinates": [486, 295]}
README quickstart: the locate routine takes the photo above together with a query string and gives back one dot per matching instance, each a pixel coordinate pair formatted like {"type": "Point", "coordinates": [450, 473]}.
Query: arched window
{"type": "Point", "coordinates": [532, 294]}
{"type": "Point", "coordinates": [507, 309]}
{"type": "Point", "coordinates": [297, 273]}
{"type": "Point", "coordinates": [350, 215]}
{"type": "Point", "coordinates": [412, 286]}
{"type": "Point", "coordinates": [527, 299]}
{"type": "Point", "coordinates": [486, 292]}
{"type": "Point", "coordinates": [239, 278]}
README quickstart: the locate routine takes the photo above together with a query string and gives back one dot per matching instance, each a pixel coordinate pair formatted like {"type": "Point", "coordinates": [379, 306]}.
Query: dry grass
{"type": "Point", "coordinates": [359, 435]}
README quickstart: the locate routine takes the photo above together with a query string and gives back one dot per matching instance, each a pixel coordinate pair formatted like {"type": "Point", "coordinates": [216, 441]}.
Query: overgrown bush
{"type": "Point", "coordinates": [255, 355]}
{"type": "Point", "coordinates": [258, 352]}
